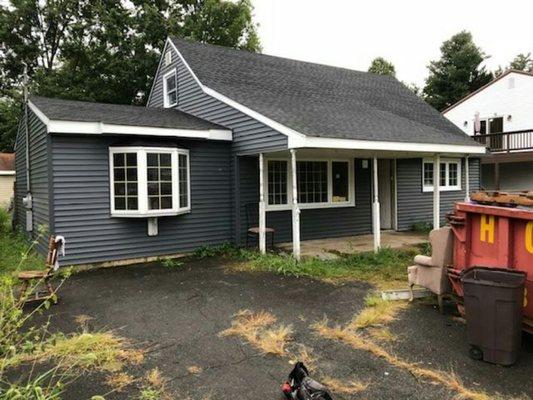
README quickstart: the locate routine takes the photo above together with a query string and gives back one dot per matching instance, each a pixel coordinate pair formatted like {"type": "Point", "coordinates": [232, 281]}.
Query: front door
{"type": "Point", "coordinates": [385, 193]}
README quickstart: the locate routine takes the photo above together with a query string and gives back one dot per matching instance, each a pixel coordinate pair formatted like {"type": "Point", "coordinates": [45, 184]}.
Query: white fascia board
{"type": "Point", "coordinates": [97, 128]}
{"type": "Point", "coordinates": [45, 120]}
{"type": "Point", "coordinates": [331, 143]}
{"type": "Point", "coordinates": [8, 173]}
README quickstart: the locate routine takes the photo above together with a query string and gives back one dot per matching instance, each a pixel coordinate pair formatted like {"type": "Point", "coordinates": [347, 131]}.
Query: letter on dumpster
{"type": "Point", "coordinates": [529, 237]}
{"type": "Point", "coordinates": [486, 228]}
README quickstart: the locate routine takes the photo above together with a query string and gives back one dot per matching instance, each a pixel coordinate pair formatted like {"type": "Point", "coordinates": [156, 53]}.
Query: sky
{"type": "Point", "coordinates": [350, 33]}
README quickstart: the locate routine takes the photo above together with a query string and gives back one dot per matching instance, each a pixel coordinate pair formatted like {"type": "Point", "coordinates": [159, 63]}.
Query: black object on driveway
{"type": "Point", "coordinates": [493, 299]}
{"type": "Point", "coordinates": [301, 387]}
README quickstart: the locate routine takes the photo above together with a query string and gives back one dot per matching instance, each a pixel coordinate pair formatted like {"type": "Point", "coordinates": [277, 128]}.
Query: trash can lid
{"type": "Point", "coordinates": [497, 277]}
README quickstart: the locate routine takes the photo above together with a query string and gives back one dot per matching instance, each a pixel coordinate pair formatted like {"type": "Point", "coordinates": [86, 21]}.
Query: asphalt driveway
{"type": "Point", "coordinates": [177, 314]}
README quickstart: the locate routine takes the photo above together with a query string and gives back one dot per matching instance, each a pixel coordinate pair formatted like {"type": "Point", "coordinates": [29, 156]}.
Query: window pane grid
{"type": "Point", "coordinates": [125, 181]}
{"type": "Point", "coordinates": [171, 89]}
{"type": "Point", "coordinates": [159, 180]}
{"type": "Point", "coordinates": [277, 182]}
{"type": "Point", "coordinates": [183, 180]}
{"type": "Point", "coordinates": [312, 178]}
{"type": "Point", "coordinates": [448, 174]}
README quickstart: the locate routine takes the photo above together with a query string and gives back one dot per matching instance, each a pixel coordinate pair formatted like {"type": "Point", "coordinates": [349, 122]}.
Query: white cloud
{"type": "Point", "coordinates": [409, 33]}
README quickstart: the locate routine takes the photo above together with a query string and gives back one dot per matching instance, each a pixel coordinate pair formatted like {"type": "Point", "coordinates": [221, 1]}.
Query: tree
{"type": "Point", "coordinates": [522, 62]}
{"type": "Point", "coordinates": [105, 51]}
{"type": "Point", "coordinates": [382, 67]}
{"type": "Point", "coordinates": [457, 73]}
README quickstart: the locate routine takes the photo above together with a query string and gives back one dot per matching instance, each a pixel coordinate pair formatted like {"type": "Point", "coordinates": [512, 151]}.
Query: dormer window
{"type": "Point", "coordinates": [170, 89]}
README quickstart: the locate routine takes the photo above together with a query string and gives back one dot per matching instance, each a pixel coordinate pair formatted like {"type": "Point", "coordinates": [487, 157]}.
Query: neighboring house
{"type": "Point", "coordinates": [323, 151]}
{"type": "Point", "coordinates": [504, 111]}
{"type": "Point", "coordinates": [7, 178]}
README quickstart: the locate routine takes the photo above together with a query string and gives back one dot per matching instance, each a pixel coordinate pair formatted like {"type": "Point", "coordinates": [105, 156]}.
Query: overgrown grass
{"type": "Point", "coordinates": [258, 330]}
{"type": "Point", "coordinates": [17, 252]}
{"type": "Point", "coordinates": [385, 269]}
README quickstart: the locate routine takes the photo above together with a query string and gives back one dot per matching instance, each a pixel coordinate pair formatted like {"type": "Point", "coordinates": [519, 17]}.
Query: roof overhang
{"type": "Point", "coordinates": [100, 128]}
{"type": "Point", "coordinates": [352, 144]}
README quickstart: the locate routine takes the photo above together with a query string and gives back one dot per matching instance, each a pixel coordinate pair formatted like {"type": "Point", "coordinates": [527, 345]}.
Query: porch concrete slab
{"type": "Point", "coordinates": [324, 248]}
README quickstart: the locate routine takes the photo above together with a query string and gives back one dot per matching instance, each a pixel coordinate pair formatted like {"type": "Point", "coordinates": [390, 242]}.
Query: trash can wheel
{"type": "Point", "coordinates": [475, 353]}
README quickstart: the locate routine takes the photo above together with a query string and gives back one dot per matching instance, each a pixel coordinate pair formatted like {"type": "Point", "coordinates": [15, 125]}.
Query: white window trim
{"type": "Point", "coordinates": [447, 162]}
{"type": "Point", "coordinates": [329, 203]}
{"type": "Point", "coordinates": [142, 182]}
{"type": "Point", "coordinates": [165, 89]}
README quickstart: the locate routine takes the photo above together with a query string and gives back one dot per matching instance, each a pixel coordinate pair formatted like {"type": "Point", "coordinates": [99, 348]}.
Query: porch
{"type": "Point", "coordinates": [323, 198]}
{"type": "Point", "coordinates": [327, 248]}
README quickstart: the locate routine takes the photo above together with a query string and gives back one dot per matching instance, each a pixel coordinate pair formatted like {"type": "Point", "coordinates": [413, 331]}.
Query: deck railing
{"type": "Point", "coordinates": [507, 141]}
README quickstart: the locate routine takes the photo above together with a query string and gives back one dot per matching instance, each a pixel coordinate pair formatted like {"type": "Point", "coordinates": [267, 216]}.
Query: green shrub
{"type": "Point", "coordinates": [172, 263]}
{"type": "Point", "coordinates": [222, 250]}
{"type": "Point", "coordinates": [422, 227]}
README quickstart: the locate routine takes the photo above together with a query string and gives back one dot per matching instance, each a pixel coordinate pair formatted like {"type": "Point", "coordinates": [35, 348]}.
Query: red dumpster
{"type": "Point", "coordinates": [499, 237]}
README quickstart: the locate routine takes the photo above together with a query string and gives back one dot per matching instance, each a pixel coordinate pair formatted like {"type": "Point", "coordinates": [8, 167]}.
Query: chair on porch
{"type": "Point", "coordinates": [431, 272]}
{"type": "Point", "coordinates": [28, 277]}
{"type": "Point", "coordinates": [252, 224]}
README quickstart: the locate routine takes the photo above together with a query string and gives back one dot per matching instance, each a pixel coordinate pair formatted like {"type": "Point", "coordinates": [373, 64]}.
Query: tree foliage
{"type": "Point", "coordinates": [457, 73]}
{"type": "Point", "coordinates": [382, 67]}
{"type": "Point", "coordinates": [522, 62]}
{"type": "Point", "coordinates": [104, 50]}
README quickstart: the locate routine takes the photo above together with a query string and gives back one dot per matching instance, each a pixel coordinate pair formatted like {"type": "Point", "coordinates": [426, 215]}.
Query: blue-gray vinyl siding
{"type": "Point", "coordinates": [416, 206]}
{"type": "Point", "coordinates": [82, 209]}
{"type": "Point", "coordinates": [249, 135]}
{"type": "Point", "coordinates": [38, 179]}
{"type": "Point", "coordinates": [314, 223]}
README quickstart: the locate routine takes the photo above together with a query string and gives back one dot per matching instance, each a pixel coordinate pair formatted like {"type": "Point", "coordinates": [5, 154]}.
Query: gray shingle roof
{"type": "Point", "coordinates": [320, 100]}
{"type": "Point", "coordinates": [83, 111]}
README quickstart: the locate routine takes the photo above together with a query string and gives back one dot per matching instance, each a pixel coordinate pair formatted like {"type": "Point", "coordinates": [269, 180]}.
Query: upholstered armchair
{"type": "Point", "coordinates": [430, 272]}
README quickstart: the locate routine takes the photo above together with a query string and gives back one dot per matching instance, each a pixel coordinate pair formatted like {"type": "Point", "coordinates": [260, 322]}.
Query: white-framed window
{"type": "Point", "coordinates": [149, 181]}
{"type": "Point", "coordinates": [170, 88]}
{"type": "Point", "coordinates": [449, 174]}
{"type": "Point", "coordinates": [320, 183]}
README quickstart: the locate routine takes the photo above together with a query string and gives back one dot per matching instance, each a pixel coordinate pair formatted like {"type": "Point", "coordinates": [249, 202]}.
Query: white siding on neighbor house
{"type": "Point", "coordinates": [6, 189]}
{"type": "Point", "coordinates": [500, 99]}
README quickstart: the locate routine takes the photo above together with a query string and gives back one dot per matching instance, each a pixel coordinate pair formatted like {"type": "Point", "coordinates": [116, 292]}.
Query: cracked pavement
{"type": "Point", "coordinates": [177, 314]}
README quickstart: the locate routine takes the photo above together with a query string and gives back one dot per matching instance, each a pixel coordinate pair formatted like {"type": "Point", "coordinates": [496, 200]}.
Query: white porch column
{"type": "Point", "coordinates": [376, 228]}
{"type": "Point", "coordinates": [436, 192]}
{"type": "Point", "coordinates": [467, 180]}
{"type": "Point", "coordinates": [262, 206]}
{"type": "Point", "coordinates": [295, 210]}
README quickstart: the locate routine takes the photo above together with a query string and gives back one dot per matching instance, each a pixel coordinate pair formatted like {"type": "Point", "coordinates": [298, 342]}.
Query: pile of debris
{"type": "Point", "coordinates": [506, 199]}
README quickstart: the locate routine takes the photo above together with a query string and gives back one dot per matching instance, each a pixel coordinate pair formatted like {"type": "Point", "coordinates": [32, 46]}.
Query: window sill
{"type": "Point", "coordinates": [442, 189]}
{"type": "Point", "coordinates": [150, 215]}
{"type": "Point", "coordinates": [308, 206]}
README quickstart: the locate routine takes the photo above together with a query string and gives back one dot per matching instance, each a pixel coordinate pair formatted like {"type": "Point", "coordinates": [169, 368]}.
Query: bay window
{"type": "Point", "coordinates": [449, 174]}
{"type": "Point", "coordinates": [149, 181]}
{"type": "Point", "coordinates": [320, 183]}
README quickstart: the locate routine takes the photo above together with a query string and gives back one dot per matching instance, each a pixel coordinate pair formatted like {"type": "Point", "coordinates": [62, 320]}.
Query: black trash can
{"type": "Point", "coordinates": [493, 299]}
